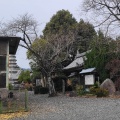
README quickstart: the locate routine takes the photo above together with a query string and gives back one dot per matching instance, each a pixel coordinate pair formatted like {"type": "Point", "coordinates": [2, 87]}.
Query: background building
{"type": "Point", "coordinates": [8, 45]}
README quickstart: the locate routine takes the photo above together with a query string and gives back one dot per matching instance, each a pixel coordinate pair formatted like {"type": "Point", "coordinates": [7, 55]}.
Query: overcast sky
{"type": "Point", "coordinates": [42, 11]}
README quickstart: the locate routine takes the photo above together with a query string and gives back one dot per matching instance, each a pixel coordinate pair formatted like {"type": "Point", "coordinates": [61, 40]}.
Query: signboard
{"type": "Point", "coordinates": [89, 79]}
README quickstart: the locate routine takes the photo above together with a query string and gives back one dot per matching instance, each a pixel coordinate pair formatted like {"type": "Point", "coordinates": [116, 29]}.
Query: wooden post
{"type": "Point", "coordinates": [26, 100]}
{"type": "Point", "coordinates": [7, 66]}
{"type": "Point", "coordinates": [0, 106]}
{"type": "Point", "coordinates": [98, 82]}
{"type": "Point", "coordinates": [63, 86]}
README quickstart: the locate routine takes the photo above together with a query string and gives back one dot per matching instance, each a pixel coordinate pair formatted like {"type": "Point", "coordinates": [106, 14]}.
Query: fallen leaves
{"type": "Point", "coordinates": [8, 116]}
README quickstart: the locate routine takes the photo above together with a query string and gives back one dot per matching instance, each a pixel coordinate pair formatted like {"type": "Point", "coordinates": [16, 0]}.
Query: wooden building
{"type": "Point", "coordinates": [75, 66]}
{"type": "Point", "coordinates": [76, 72]}
{"type": "Point", "coordinates": [8, 45]}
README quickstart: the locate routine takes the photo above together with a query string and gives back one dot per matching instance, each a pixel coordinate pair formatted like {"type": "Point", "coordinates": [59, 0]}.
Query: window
{"type": "Point", "coordinates": [3, 47]}
{"type": "Point", "coordinates": [2, 80]}
{"type": "Point", "coordinates": [2, 63]}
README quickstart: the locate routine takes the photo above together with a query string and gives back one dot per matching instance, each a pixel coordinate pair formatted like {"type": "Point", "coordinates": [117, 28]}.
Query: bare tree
{"type": "Point", "coordinates": [52, 50]}
{"type": "Point", "coordinates": [46, 55]}
{"type": "Point", "coordinates": [24, 25]}
{"type": "Point", "coordinates": [107, 10]}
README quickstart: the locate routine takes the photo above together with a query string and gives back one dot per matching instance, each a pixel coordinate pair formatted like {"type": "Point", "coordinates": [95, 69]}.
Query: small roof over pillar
{"type": "Point", "coordinates": [89, 70]}
{"type": "Point", "coordinates": [13, 43]}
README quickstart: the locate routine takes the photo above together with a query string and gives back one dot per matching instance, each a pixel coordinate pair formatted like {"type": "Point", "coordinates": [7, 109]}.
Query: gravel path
{"type": "Point", "coordinates": [62, 107]}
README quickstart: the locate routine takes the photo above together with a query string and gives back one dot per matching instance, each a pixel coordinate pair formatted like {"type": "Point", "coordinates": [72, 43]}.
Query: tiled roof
{"type": "Point", "coordinates": [79, 61]}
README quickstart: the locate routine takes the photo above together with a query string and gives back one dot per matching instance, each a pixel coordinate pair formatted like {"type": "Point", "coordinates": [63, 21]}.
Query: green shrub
{"type": "Point", "coordinates": [79, 90]}
{"type": "Point", "coordinates": [93, 90]}
{"type": "Point", "coordinates": [96, 85]}
{"type": "Point", "coordinates": [36, 89]}
{"type": "Point", "coordinates": [99, 91]}
{"type": "Point", "coordinates": [41, 90]}
{"type": "Point", "coordinates": [44, 90]}
{"type": "Point", "coordinates": [10, 86]}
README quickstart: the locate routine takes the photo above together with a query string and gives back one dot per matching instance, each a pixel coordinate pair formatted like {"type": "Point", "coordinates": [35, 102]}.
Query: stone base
{"type": "Point", "coordinates": [3, 93]}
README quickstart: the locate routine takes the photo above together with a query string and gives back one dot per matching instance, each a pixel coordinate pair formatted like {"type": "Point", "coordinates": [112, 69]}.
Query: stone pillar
{"type": "Point", "coordinates": [7, 65]}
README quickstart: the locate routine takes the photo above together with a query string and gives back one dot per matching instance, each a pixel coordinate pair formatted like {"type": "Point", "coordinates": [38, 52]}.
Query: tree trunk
{"type": "Point", "coordinates": [45, 84]}
{"type": "Point", "coordinates": [44, 80]}
{"type": "Point", "coordinates": [52, 91]}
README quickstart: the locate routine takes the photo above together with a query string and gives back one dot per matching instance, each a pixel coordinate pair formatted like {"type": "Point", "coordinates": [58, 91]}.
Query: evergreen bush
{"type": "Point", "coordinates": [79, 89]}
{"type": "Point", "coordinates": [99, 92]}
{"type": "Point", "coordinates": [36, 89]}
{"type": "Point", "coordinates": [40, 90]}
{"type": "Point", "coordinates": [10, 86]}
{"type": "Point", "coordinates": [43, 90]}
